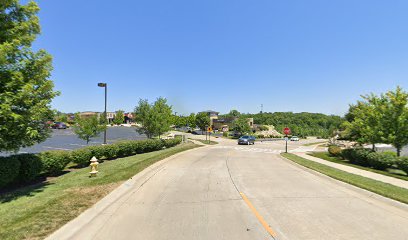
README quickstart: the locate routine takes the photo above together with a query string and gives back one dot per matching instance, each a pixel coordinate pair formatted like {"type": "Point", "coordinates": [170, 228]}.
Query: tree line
{"type": "Point", "coordinates": [379, 119]}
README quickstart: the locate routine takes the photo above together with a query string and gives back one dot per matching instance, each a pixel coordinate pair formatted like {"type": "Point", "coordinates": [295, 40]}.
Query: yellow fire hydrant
{"type": "Point", "coordinates": [94, 166]}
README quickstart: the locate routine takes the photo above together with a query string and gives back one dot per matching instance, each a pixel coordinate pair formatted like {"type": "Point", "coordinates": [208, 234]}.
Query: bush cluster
{"type": "Point", "coordinates": [24, 168]}
{"type": "Point", "coordinates": [334, 150]}
{"type": "Point", "coordinates": [402, 164]}
{"type": "Point", "coordinates": [376, 160]}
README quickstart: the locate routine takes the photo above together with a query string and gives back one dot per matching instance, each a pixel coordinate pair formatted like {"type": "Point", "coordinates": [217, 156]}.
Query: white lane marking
{"type": "Point", "coordinates": [65, 149]}
{"type": "Point", "coordinates": [75, 144]}
{"type": "Point", "coordinates": [245, 149]}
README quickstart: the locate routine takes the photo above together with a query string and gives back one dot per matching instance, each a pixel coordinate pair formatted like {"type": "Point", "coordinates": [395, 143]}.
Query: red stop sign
{"type": "Point", "coordinates": [286, 131]}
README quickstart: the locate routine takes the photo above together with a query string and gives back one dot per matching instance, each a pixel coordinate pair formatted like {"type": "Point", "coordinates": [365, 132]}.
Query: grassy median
{"type": "Point", "coordinates": [36, 211]}
{"type": "Point", "coordinates": [384, 189]}
{"type": "Point", "coordinates": [205, 141]}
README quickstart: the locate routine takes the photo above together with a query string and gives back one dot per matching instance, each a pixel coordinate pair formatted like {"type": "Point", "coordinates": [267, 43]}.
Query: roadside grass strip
{"type": "Point", "coordinates": [314, 143]}
{"type": "Point", "coordinates": [381, 188]}
{"type": "Point", "coordinates": [396, 173]}
{"type": "Point", "coordinates": [205, 141]}
{"type": "Point", "coordinates": [34, 212]}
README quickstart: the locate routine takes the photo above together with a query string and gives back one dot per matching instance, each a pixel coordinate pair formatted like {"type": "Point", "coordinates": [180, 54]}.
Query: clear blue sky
{"type": "Point", "coordinates": [314, 56]}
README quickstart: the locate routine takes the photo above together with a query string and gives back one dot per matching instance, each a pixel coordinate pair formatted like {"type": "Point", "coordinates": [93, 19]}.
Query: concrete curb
{"type": "Point", "coordinates": [75, 225]}
{"type": "Point", "coordinates": [353, 190]}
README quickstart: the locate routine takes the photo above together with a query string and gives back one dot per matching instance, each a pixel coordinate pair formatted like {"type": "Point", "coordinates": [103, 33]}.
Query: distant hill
{"type": "Point", "coordinates": [302, 124]}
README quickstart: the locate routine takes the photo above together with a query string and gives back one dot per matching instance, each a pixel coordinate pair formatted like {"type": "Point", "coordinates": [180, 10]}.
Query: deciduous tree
{"type": "Point", "coordinates": [241, 125]}
{"type": "Point", "coordinates": [202, 120]}
{"type": "Point", "coordinates": [119, 117]}
{"type": "Point", "coordinates": [25, 88]}
{"type": "Point", "coordinates": [155, 119]}
{"type": "Point", "coordinates": [87, 127]}
{"type": "Point", "coordinates": [395, 118]}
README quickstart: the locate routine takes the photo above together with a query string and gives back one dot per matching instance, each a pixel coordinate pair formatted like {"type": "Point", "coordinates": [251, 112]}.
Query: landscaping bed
{"type": "Point", "coordinates": [35, 211]}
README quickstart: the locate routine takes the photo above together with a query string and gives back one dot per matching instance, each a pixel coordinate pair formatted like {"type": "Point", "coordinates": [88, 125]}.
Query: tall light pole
{"type": "Point", "coordinates": [106, 96]}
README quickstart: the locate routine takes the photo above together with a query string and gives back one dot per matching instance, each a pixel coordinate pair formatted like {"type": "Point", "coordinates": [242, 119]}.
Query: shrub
{"type": "Point", "coordinates": [125, 148]}
{"type": "Point", "coordinates": [380, 161]}
{"type": "Point", "coordinates": [97, 151]}
{"type": "Point", "coordinates": [110, 151]}
{"type": "Point", "coordinates": [359, 156]}
{"type": "Point", "coordinates": [172, 142]}
{"type": "Point", "coordinates": [347, 154]}
{"type": "Point", "coordinates": [261, 136]}
{"type": "Point", "coordinates": [151, 145]}
{"type": "Point", "coordinates": [82, 156]}
{"type": "Point", "coordinates": [390, 153]}
{"type": "Point", "coordinates": [30, 167]}
{"type": "Point", "coordinates": [225, 134]}
{"type": "Point", "coordinates": [54, 161]}
{"type": "Point", "coordinates": [334, 150]}
{"type": "Point", "coordinates": [402, 163]}
{"type": "Point", "coordinates": [9, 169]}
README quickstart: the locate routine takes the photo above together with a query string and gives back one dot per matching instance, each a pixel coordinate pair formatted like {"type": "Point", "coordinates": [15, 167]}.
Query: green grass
{"type": "Point", "coordinates": [205, 141]}
{"type": "Point", "coordinates": [34, 212]}
{"type": "Point", "coordinates": [314, 143]}
{"type": "Point", "coordinates": [390, 172]}
{"type": "Point", "coordinates": [381, 188]}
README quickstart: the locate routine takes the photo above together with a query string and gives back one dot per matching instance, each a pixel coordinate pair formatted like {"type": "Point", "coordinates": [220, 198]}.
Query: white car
{"type": "Point", "coordinates": [294, 138]}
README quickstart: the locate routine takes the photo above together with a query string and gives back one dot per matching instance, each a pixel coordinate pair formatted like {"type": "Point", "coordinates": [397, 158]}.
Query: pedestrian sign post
{"type": "Point", "coordinates": [286, 131]}
{"type": "Point", "coordinates": [209, 130]}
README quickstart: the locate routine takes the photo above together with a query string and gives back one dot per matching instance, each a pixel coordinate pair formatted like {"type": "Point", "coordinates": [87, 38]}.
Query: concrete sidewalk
{"type": "Point", "coordinates": [394, 181]}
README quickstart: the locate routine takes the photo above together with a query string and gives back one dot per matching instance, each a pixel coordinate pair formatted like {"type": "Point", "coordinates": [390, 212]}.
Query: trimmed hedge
{"type": "Point", "coordinates": [24, 168]}
{"type": "Point", "coordinates": [9, 169]}
{"type": "Point", "coordinates": [30, 168]}
{"type": "Point", "coordinates": [82, 156]}
{"type": "Point", "coordinates": [54, 161]}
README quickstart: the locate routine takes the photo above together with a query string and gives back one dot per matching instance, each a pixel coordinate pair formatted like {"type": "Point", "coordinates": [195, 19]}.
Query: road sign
{"type": "Point", "coordinates": [286, 131]}
{"type": "Point", "coordinates": [209, 129]}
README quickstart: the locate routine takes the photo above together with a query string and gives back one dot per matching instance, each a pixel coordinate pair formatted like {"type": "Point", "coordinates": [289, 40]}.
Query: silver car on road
{"type": "Point", "coordinates": [246, 140]}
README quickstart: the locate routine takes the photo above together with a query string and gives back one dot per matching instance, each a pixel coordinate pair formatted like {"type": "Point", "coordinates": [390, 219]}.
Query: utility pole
{"type": "Point", "coordinates": [106, 101]}
{"type": "Point", "coordinates": [261, 108]}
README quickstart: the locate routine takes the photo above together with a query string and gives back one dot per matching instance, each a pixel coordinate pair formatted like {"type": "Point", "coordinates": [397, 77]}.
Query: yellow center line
{"type": "Point", "coordinates": [258, 216]}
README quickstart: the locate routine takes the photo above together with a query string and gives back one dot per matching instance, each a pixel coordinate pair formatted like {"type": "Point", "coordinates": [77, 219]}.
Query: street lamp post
{"type": "Point", "coordinates": [106, 96]}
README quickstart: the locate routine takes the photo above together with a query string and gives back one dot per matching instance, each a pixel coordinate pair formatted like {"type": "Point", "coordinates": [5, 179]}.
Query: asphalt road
{"type": "Point", "coordinates": [65, 139]}
{"type": "Point", "coordinates": [229, 192]}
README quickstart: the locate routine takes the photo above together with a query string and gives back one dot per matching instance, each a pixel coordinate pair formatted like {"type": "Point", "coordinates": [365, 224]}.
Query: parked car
{"type": "Point", "coordinates": [59, 125]}
{"type": "Point", "coordinates": [246, 140]}
{"type": "Point", "coordinates": [294, 138]}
